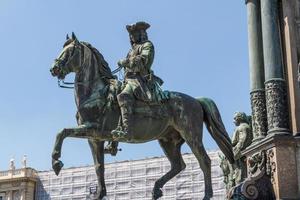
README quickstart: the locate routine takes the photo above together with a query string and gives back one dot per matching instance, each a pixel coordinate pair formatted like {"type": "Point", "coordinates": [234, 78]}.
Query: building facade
{"type": "Point", "coordinates": [18, 184]}
{"type": "Point", "coordinates": [132, 180]}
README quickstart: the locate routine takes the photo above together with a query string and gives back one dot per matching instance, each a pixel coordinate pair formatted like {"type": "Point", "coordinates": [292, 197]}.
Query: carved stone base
{"type": "Point", "coordinates": [277, 106]}
{"type": "Point", "coordinates": [259, 114]}
{"type": "Point", "coordinates": [258, 185]}
{"type": "Point", "coordinates": [260, 189]}
{"type": "Point", "coordinates": [281, 164]}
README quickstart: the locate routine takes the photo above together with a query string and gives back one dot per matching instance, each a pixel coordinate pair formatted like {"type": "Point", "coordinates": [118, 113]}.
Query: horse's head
{"type": "Point", "coordinates": [92, 71]}
{"type": "Point", "coordinates": [69, 60]}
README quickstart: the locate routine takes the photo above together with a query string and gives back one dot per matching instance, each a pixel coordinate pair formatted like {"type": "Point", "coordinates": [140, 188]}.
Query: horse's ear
{"type": "Point", "coordinates": [74, 36]}
{"type": "Point", "coordinates": [67, 37]}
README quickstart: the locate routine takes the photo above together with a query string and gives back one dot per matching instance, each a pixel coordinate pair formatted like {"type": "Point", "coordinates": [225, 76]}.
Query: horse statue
{"type": "Point", "coordinates": [174, 122]}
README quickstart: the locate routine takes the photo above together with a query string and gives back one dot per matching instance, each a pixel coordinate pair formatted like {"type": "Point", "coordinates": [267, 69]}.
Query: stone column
{"type": "Point", "coordinates": [257, 75]}
{"type": "Point", "coordinates": [275, 84]}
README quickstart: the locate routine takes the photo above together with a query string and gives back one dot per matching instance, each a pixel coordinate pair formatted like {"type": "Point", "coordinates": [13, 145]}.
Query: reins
{"type": "Point", "coordinates": [63, 84]}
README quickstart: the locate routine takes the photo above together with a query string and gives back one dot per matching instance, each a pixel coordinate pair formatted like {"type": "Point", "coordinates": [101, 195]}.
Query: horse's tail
{"type": "Point", "coordinates": [216, 128]}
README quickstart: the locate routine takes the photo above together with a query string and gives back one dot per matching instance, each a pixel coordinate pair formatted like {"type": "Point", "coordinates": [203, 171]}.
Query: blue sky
{"type": "Point", "coordinates": [201, 50]}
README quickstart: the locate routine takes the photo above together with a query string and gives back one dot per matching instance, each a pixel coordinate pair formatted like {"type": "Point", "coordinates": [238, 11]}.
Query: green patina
{"type": "Point", "coordinates": [135, 111]}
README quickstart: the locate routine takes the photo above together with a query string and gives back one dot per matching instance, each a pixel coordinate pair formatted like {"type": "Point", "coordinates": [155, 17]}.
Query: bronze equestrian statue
{"type": "Point", "coordinates": [172, 118]}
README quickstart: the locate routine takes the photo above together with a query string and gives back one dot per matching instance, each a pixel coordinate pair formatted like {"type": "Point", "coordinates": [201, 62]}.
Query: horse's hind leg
{"type": "Point", "coordinates": [205, 165]}
{"type": "Point", "coordinates": [195, 143]}
{"type": "Point", "coordinates": [190, 126]}
{"type": "Point", "coordinates": [172, 150]}
{"type": "Point", "coordinates": [97, 148]}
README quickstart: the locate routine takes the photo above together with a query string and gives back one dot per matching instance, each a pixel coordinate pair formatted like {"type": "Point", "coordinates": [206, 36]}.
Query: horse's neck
{"type": "Point", "coordinates": [83, 93]}
{"type": "Point", "coordinates": [89, 82]}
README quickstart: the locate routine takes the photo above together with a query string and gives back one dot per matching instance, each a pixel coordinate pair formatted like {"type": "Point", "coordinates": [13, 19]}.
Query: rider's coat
{"type": "Point", "coordinates": [138, 73]}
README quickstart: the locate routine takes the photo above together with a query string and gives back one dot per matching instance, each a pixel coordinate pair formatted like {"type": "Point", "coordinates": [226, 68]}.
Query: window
{"type": "Point", "coordinates": [2, 196]}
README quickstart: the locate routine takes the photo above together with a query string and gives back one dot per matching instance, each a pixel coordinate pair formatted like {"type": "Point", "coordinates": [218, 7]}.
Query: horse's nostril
{"type": "Point", "coordinates": [54, 71]}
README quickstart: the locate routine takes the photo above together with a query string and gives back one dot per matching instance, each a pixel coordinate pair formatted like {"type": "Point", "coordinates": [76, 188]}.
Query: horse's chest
{"type": "Point", "coordinates": [91, 109]}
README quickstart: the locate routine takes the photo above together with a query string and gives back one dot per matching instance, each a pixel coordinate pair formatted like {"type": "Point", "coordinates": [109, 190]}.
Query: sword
{"type": "Point", "coordinates": [117, 70]}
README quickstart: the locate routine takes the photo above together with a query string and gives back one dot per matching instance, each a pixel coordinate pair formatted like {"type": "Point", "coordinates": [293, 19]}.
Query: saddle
{"type": "Point", "coordinates": [153, 109]}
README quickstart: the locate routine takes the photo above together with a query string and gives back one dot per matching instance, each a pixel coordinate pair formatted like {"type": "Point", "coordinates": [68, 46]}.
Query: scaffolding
{"type": "Point", "coordinates": [132, 180]}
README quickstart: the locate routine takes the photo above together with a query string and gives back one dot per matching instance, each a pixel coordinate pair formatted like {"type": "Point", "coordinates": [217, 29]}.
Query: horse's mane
{"type": "Point", "coordinates": [103, 65]}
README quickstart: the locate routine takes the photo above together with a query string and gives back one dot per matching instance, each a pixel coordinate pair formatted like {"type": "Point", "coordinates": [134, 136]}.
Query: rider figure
{"type": "Point", "coordinates": [138, 75]}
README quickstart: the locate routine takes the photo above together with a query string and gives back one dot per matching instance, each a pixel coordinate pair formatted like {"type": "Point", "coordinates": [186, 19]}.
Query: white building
{"type": "Point", "coordinates": [132, 180]}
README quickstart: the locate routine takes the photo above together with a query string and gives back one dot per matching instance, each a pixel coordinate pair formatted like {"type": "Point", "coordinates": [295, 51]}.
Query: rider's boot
{"type": "Point", "coordinates": [126, 114]}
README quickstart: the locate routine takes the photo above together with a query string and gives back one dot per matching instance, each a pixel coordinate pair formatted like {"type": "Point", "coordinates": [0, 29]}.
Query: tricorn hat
{"type": "Point", "coordinates": [137, 26]}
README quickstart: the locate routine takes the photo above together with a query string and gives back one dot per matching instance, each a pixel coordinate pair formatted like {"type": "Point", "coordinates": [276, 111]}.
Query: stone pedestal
{"type": "Point", "coordinates": [298, 160]}
{"type": "Point", "coordinates": [281, 164]}
{"type": "Point", "coordinates": [291, 48]}
{"type": "Point", "coordinates": [276, 158]}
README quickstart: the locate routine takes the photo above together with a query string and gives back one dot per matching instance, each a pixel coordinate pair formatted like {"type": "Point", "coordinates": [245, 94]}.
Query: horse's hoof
{"type": "Point", "coordinates": [157, 194]}
{"type": "Point", "coordinates": [56, 166]}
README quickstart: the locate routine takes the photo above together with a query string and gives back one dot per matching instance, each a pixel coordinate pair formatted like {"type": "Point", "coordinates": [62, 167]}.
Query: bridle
{"type": "Point", "coordinates": [61, 62]}
{"type": "Point", "coordinates": [63, 70]}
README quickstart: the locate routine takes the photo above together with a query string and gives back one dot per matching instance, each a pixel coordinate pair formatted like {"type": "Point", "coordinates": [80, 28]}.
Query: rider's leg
{"type": "Point", "coordinates": [125, 100]}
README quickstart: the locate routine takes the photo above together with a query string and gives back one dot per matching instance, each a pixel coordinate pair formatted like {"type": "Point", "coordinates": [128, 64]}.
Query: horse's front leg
{"type": "Point", "coordinates": [97, 148]}
{"type": "Point", "coordinates": [81, 132]}
{"type": "Point", "coordinates": [56, 154]}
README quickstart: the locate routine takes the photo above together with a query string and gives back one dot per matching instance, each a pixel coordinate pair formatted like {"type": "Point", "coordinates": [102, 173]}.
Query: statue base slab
{"type": "Point", "coordinates": [281, 163]}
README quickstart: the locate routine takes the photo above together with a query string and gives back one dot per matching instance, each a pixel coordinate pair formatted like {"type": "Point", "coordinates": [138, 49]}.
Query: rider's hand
{"type": "Point", "coordinates": [110, 97]}
{"type": "Point", "coordinates": [122, 62]}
